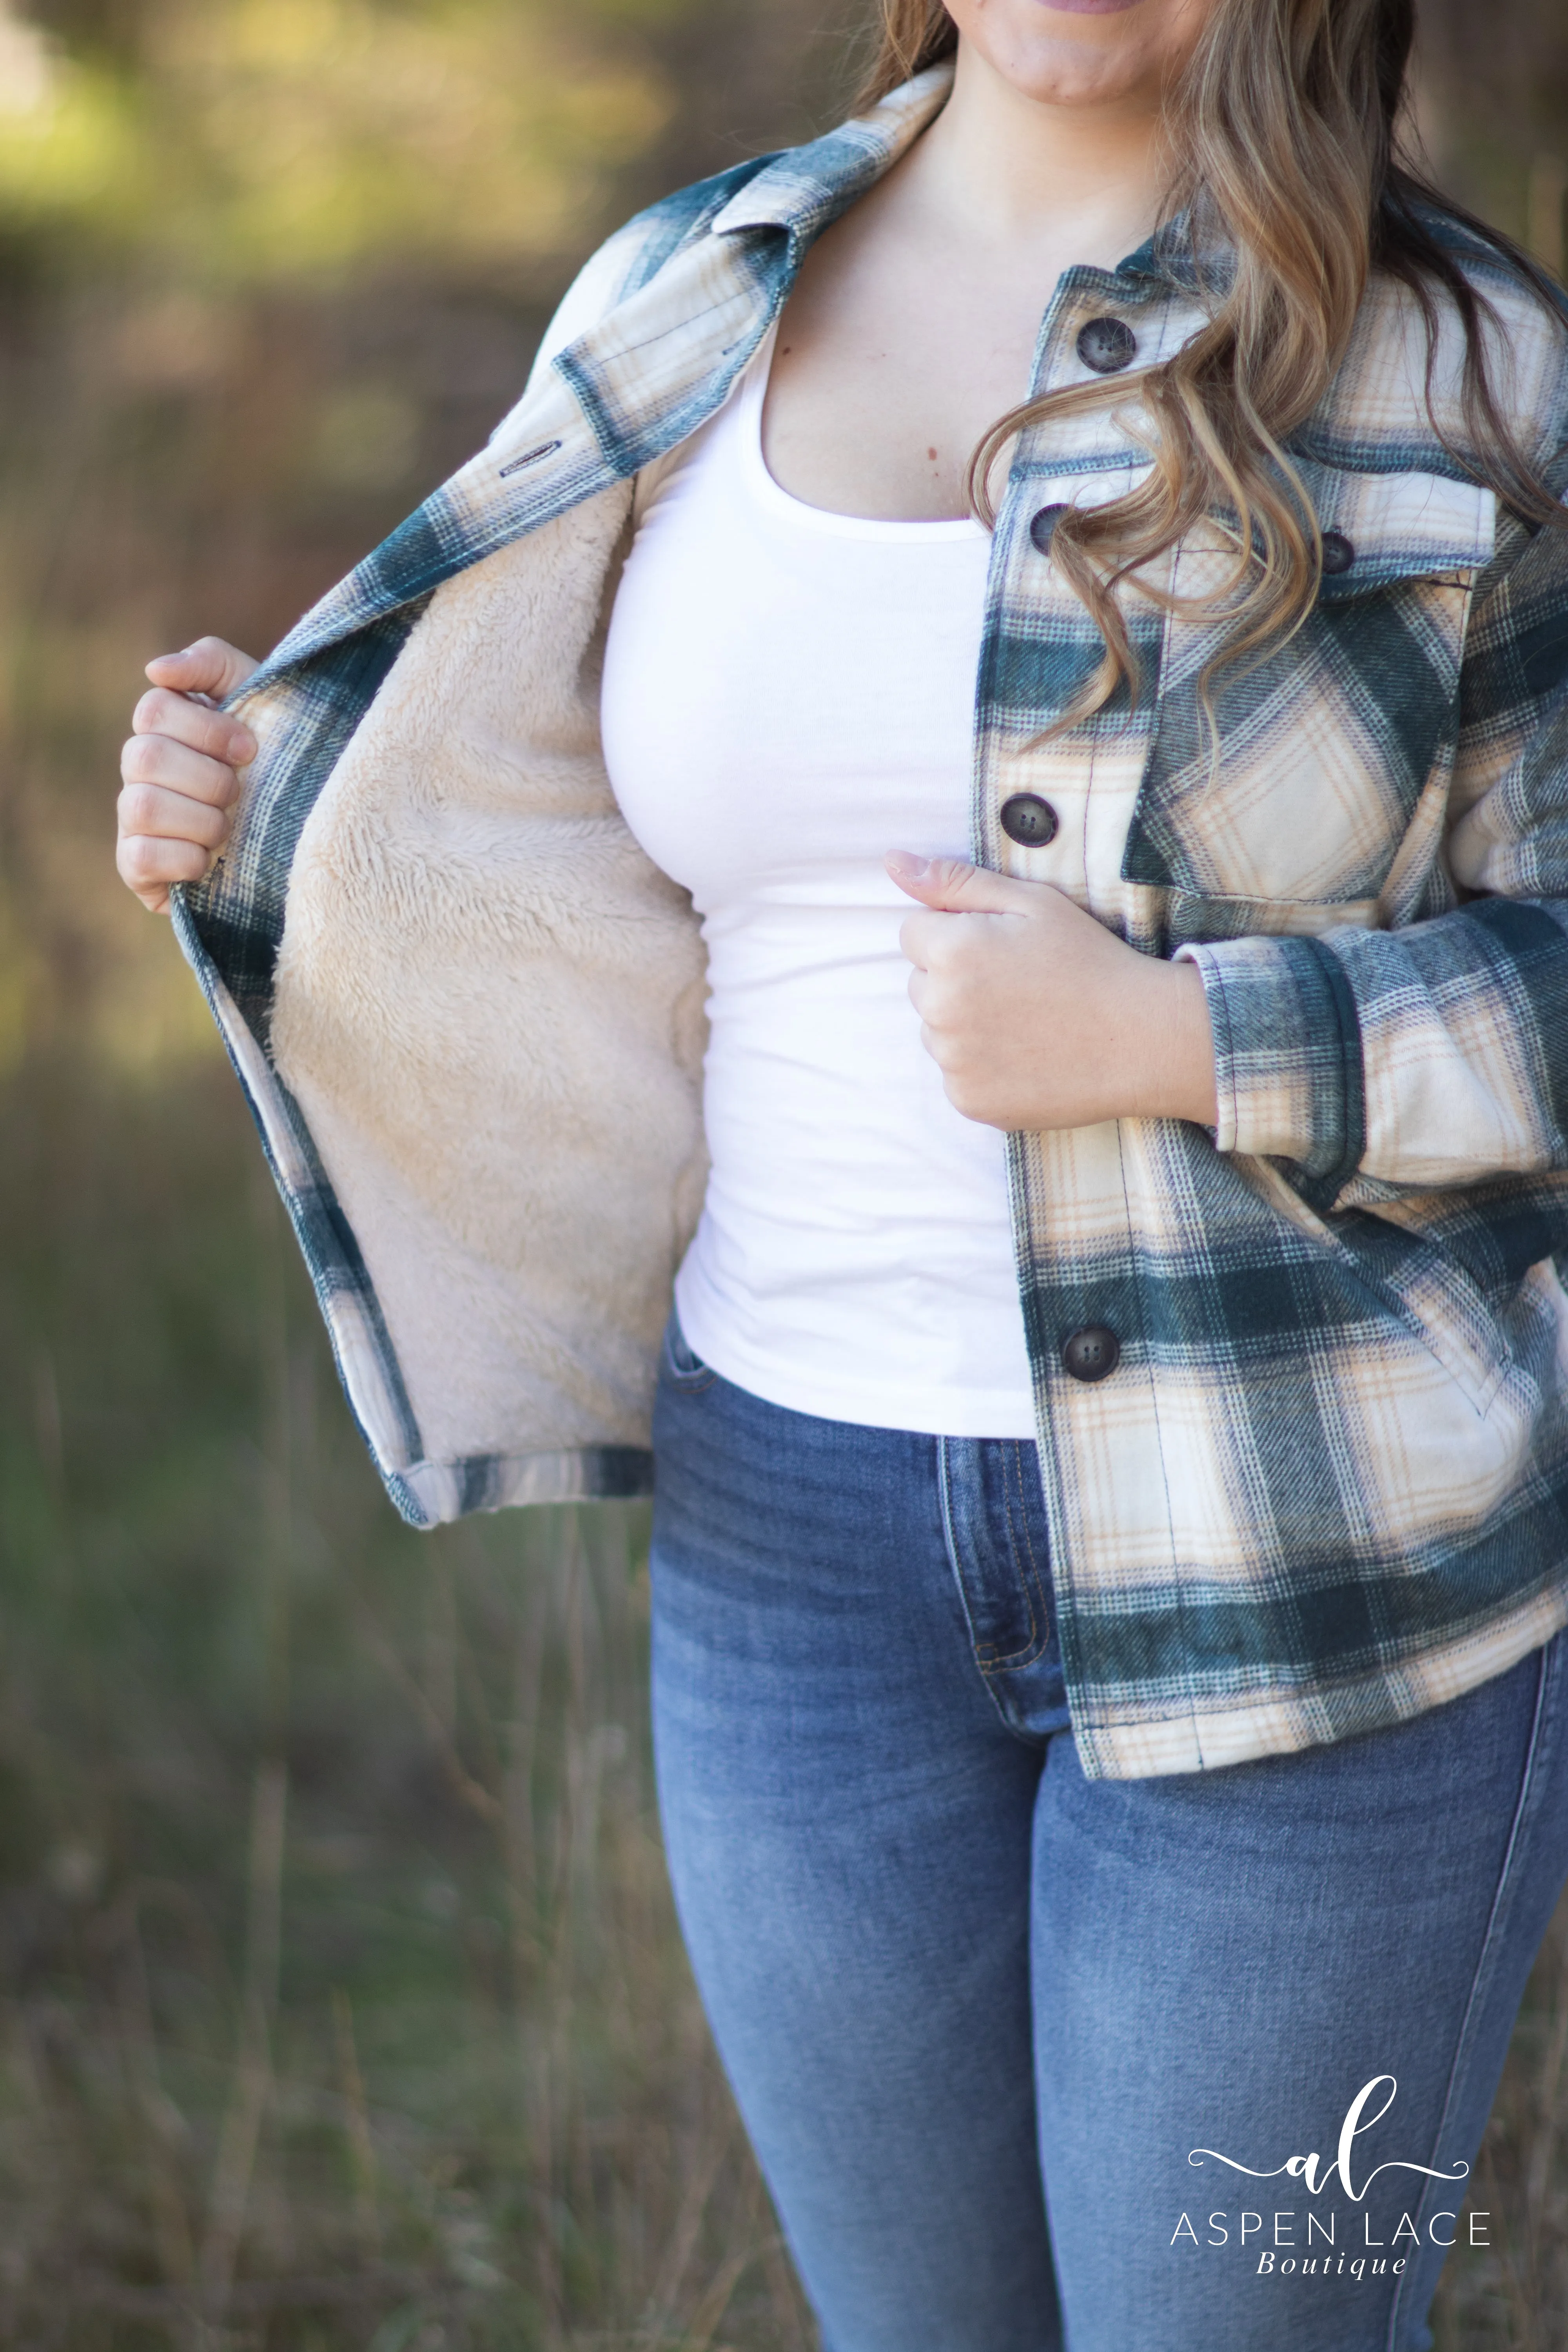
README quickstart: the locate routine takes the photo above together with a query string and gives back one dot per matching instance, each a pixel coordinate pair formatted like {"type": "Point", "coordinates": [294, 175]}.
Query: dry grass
{"type": "Point", "coordinates": [342, 1999]}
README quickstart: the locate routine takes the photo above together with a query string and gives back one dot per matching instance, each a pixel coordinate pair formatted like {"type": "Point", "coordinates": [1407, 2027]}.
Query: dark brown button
{"type": "Point", "coordinates": [1042, 530]}
{"type": "Point", "coordinates": [1093, 1353]}
{"type": "Point", "coordinates": [1108, 345]}
{"type": "Point", "coordinates": [1026, 818]}
{"type": "Point", "coordinates": [1338, 553]}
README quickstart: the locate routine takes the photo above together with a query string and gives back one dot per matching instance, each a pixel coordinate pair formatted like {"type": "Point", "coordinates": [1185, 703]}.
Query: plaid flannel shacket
{"type": "Point", "coordinates": [1326, 1485]}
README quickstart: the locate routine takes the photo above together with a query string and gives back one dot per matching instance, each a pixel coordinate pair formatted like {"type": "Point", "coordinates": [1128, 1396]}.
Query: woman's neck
{"type": "Point", "coordinates": [1000, 165]}
{"type": "Point", "coordinates": [912, 324]}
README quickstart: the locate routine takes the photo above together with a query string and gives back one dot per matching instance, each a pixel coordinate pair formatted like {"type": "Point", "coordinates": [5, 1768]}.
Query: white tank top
{"type": "Point", "coordinates": [787, 695]}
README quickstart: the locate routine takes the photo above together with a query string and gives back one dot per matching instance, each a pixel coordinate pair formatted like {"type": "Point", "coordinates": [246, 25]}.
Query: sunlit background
{"type": "Point", "coordinates": [340, 1999]}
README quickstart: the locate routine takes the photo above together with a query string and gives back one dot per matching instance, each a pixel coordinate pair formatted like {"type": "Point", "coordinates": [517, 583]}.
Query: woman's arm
{"type": "Point", "coordinates": [1414, 1059]}
{"type": "Point", "coordinates": [181, 769]}
{"type": "Point", "coordinates": [1435, 1054]}
{"type": "Point", "coordinates": [181, 766]}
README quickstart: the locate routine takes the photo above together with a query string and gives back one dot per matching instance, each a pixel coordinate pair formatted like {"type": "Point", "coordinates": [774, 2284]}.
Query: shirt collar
{"type": "Point", "coordinates": [1169, 258]}
{"type": "Point", "coordinates": [806, 188]}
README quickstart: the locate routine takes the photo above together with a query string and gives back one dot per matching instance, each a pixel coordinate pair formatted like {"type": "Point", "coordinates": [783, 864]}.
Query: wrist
{"type": "Point", "coordinates": [1178, 1072]}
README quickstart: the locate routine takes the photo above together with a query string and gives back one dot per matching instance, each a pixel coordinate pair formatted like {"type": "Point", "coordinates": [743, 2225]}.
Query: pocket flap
{"type": "Point", "coordinates": [1330, 737]}
{"type": "Point", "coordinates": [1389, 526]}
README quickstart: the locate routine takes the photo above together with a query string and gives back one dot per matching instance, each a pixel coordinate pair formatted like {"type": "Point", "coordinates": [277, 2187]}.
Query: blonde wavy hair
{"type": "Point", "coordinates": [1285, 136]}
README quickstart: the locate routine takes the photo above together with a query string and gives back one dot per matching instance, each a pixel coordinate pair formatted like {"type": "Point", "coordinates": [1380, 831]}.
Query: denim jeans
{"type": "Point", "coordinates": [1025, 2056]}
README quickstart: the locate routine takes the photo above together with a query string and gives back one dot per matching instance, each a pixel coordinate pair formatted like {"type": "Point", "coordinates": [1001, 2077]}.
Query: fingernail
{"type": "Point", "coordinates": [905, 867]}
{"type": "Point", "coordinates": [242, 748]}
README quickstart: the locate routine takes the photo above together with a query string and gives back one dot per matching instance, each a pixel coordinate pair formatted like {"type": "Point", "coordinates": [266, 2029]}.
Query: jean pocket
{"type": "Point", "coordinates": [683, 1367]}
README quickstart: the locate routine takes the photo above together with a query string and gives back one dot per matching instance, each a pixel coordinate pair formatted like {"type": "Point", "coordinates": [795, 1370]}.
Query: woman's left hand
{"type": "Point", "coordinates": [1040, 1017]}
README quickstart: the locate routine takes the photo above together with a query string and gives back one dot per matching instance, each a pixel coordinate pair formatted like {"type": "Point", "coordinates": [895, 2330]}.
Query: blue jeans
{"type": "Point", "coordinates": [984, 2017]}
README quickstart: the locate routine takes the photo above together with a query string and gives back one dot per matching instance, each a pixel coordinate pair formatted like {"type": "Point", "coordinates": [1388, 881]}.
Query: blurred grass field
{"type": "Point", "coordinates": [341, 2008]}
{"type": "Point", "coordinates": [340, 1998]}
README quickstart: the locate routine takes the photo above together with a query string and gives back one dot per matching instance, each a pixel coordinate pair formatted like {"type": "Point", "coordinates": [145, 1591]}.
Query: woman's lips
{"type": "Point", "coordinates": [1089, 7]}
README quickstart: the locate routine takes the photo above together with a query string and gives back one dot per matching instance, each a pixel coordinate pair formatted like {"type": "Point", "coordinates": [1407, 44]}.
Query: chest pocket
{"type": "Point", "coordinates": [1332, 743]}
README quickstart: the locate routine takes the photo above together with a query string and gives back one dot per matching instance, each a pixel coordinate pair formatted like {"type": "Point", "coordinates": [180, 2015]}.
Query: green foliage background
{"type": "Point", "coordinates": [341, 2004]}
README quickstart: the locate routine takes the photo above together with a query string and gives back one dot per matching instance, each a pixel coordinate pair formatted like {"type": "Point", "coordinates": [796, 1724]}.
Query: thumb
{"type": "Point", "coordinates": [954, 887]}
{"type": "Point", "coordinates": [209, 666]}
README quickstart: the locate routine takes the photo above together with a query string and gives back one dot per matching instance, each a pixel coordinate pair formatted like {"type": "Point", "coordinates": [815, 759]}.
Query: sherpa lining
{"type": "Point", "coordinates": [472, 934]}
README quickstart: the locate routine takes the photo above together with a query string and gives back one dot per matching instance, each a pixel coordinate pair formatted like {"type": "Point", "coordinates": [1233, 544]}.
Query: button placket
{"type": "Point", "coordinates": [1094, 320]}
{"type": "Point", "coordinates": [1029, 819]}
{"type": "Point", "coordinates": [1091, 1354]}
{"type": "Point", "coordinates": [1107, 345]}
{"type": "Point", "coordinates": [1042, 529]}
{"type": "Point", "coordinates": [1079, 329]}
{"type": "Point", "coordinates": [1024, 815]}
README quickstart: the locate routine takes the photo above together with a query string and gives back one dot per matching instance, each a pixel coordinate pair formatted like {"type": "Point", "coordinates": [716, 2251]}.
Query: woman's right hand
{"type": "Point", "coordinates": [181, 771]}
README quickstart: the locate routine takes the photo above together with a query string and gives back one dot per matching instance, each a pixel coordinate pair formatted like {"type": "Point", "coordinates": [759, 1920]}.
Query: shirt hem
{"type": "Point", "coordinates": [924, 1412]}
{"type": "Point", "coordinates": [1285, 1724]}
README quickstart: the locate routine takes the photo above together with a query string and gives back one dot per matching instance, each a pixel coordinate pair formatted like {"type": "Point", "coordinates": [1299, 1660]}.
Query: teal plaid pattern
{"type": "Point", "coordinates": [1327, 1485]}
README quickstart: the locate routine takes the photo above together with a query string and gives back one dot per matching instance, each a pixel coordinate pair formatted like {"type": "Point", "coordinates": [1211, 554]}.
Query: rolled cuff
{"type": "Point", "coordinates": [1288, 1055]}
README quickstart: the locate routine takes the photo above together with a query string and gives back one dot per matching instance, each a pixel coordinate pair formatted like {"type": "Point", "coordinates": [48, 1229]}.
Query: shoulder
{"type": "Point", "coordinates": [1399, 398]}
{"type": "Point", "coordinates": [807, 185]}
{"type": "Point", "coordinates": [635, 254]}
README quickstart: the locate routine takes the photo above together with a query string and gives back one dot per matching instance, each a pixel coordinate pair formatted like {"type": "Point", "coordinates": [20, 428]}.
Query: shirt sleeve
{"type": "Point", "coordinates": [1436, 1053]}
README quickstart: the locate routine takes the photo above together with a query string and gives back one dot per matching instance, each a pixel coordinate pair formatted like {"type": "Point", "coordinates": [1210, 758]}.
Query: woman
{"type": "Point", "coordinates": [1109, 1550]}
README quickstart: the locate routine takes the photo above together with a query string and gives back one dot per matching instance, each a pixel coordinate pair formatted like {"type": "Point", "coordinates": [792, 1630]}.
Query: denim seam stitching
{"type": "Point", "coordinates": [1038, 1642]}
{"type": "Point", "coordinates": [950, 1537]}
{"type": "Point", "coordinates": [1031, 1651]}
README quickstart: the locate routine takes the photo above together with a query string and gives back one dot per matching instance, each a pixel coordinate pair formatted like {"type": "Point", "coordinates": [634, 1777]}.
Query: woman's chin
{"type": "Point", "coordinates": [1081, 52]}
